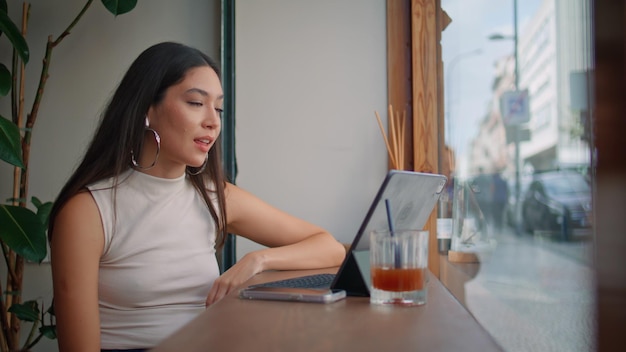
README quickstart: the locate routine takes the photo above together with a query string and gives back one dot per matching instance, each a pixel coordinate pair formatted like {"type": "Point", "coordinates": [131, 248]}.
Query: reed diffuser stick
{"type": "Point", "coordinates": [393, 135]}
{"type": "Point", "coordinates": [382, 130]}
{"type": "Point", "coordinates": [402, 140]}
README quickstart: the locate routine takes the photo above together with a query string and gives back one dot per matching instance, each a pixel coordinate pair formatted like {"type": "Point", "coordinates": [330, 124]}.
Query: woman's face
{"type": "Point", "coordinates": [188, 121]}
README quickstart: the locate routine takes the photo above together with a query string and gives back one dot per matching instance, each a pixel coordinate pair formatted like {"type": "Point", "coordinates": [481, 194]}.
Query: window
{"type": "Point", "coordinates": [532, 283]}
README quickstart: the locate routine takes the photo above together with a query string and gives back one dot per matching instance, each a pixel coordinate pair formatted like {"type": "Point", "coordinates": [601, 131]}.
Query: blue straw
{"type": "Point", "coordinates": [389, 218]}
{"type": "Point", "coordinates": [392, 233]}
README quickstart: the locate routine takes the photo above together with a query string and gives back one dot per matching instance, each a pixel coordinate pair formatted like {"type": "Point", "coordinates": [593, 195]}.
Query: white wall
{"type": "Point", "coordinates": [309, 76]}
{"type": "Point", "coordinates": [85, 68]}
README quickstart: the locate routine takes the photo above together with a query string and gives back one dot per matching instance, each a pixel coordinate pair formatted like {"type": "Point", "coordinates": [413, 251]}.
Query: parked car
{"type": "Point", "coordinates": [558, 202]}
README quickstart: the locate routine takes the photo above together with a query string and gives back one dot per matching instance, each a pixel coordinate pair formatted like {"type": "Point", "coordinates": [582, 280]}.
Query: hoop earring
{"type": "Point", "coordinates": [206, 160]}
{"type": "Point", "coordinates": [157, 138]}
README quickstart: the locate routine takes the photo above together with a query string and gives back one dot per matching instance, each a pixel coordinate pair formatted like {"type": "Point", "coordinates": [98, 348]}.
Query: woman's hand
{"type": "Point", "coordinates": [234, 277]}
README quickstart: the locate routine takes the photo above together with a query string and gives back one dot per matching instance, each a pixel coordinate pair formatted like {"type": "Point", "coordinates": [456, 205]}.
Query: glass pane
{"type": "Point", "coordinates": [517, 104]}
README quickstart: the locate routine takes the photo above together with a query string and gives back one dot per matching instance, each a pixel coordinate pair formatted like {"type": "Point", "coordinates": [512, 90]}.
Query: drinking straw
{"type": "Point", "coordinates": [389, 217]}
{"type": "Point", "coordinates": [392, 233]}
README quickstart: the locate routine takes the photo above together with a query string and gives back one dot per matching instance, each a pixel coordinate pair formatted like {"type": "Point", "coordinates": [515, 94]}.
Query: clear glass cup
{"type": "Point", "coordinates": [398, 267]}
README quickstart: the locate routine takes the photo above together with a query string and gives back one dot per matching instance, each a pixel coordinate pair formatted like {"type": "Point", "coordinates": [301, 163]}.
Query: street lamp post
{"type": "Point", "coordinates": [515, 129]}
{"type": "Point", "coordinates": [455, 60]}
{"type": "Point", "coordinates": [515, 38]}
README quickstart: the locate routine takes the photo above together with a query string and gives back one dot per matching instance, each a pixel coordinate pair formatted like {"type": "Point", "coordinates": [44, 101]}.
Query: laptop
{"type": "Point", "coordinates": [412, 197]}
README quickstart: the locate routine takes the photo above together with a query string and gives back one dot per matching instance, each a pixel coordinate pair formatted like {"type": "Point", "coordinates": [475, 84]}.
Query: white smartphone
{"type": "Point", "coordinates": [325, 295]}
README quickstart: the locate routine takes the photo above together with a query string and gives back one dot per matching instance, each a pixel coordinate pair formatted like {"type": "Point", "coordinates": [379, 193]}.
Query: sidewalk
{"type": "Point", "coordinates": [533, 294]}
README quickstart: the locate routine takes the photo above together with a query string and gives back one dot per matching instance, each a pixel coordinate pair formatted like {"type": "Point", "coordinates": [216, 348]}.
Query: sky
{"type": "Point", "coordinates": [469, 57]}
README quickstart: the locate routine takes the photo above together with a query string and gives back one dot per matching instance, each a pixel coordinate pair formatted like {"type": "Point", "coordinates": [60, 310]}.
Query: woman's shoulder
{"type": "Point", "coordinates": [78, 214]}
{"type": "Point", "coordinates": [80, 203]}
{"type": "Point", "coordinates": [78, 225]}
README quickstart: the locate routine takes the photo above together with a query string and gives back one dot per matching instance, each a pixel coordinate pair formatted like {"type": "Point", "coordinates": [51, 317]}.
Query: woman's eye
{"type": "Point", "coordinates": [219, 110]}
{"type": "Point", "coordinates": [195, 103]}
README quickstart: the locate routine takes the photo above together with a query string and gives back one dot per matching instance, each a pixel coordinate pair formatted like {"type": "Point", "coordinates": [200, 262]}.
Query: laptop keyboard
{"type": "Point", "coordinates": [309, 281]}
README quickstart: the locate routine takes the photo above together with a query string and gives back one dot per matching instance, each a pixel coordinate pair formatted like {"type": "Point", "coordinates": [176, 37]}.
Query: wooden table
{"type": "Point", "coordinates": [352, 324]}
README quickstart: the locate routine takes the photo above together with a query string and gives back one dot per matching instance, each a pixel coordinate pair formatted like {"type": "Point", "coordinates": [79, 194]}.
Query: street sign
{"type": "Point", "coordinates": [514, 107]}
{"type": "Point", "coordinates": [517, 133]}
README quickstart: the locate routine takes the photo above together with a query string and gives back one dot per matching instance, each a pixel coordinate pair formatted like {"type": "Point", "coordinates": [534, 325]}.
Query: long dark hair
{"type": "Point", "coordinates": [122, 124]}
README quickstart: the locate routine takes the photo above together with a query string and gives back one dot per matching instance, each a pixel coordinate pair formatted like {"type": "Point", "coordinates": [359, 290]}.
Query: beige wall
{"type": "Point", "coordinates": [310, 75]}
{"type": "Point", "coordinates": [85, 68]}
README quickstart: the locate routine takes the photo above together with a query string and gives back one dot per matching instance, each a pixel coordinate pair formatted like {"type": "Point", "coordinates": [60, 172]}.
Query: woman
{"type": "Point", "coordinates": [134, 232]}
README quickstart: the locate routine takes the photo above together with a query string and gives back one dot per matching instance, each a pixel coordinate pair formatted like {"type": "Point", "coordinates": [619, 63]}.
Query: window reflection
{"type": "Point", "coordinates": [521, 168]}
{"type": "Point", "coordinates": [558, 203]}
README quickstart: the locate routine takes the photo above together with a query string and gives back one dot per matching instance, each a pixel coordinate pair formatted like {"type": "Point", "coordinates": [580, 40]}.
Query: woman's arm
{"type": "Point", "coordinates": [292, 242]}
{"type": "Point", "coordinates": [76, 246]}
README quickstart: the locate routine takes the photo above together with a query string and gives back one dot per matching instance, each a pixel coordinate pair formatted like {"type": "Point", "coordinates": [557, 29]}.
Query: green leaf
{"type": "Point", "coordinates": [49, 331]}
{"type": "Point", "coordinates": [10, 29]}
{"type": "Point", "coordinates": [119, 7]}
{"type": "Point", "coordinates": [36, 202]}
{"type": "Point", "coordinates": [43, 210]}
{"type": "Point", "coordinates": [10, 149]}
{"type": "Point", "coordinates": [23, 232]}
{"type": "Point", "coordinates": [27, 311]}
{"type": "Point", "coordinates": [5, 80]}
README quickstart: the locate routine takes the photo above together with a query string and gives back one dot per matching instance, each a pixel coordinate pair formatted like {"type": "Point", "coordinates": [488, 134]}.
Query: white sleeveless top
{"type": "Point", "coordinates": [158, 262]}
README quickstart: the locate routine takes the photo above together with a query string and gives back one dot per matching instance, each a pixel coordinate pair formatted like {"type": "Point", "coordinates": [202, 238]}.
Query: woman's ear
{"type": "Point", "coordinates": [149, 113]}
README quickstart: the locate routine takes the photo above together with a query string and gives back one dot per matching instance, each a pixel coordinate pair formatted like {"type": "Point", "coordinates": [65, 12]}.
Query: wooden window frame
{"type": "Point", "coordinates": [415, 84]}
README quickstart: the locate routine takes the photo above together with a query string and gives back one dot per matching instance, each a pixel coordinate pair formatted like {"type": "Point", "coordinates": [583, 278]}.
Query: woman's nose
{"type": "Point", "coordinates": [213, 119]}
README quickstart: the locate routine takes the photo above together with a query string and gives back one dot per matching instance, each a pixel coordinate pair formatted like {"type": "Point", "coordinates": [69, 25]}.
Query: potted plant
{"type": "Point", "coordinates": [22, 230]}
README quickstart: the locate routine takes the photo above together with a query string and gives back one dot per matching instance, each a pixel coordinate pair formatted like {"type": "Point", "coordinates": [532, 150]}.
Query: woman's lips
{"type": "Point", "coordinates": [203, 143]}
